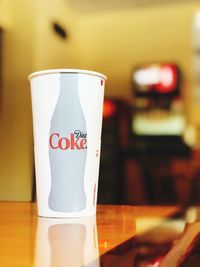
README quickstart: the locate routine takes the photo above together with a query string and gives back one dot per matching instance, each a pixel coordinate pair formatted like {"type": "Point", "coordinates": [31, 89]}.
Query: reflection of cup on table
{"type": "Point", "coordinates": [66, 242]}
{"type": "Point", "coordinates": [67, 109]}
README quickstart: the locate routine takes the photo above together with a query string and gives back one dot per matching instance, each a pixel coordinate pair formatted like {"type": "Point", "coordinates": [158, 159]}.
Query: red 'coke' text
{"type": "Point", "coordinates": [64, 143]}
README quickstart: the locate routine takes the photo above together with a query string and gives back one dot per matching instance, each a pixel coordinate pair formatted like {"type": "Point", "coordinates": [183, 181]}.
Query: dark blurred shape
{"type": "Point", "coordinates": [186, 251]}
{"type": "Point", "coordinates": [115, 140]}
{"type": "Point", "coordinates": [192, 258]}
{"type": "Point", "coordinates": [172, 243]}
{"type": "Point", "coordinates": [59, 30]}
{"type": "Point", "coordinates": [164, 182]}
{"type": "Point", "coordinates": [146, 249]}
{"type": "Point", "coordinates": [158, 124]}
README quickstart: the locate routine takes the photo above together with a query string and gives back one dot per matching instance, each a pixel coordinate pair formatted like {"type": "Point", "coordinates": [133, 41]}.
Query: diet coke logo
{"type": "Point", "coordinates": [76, 141]}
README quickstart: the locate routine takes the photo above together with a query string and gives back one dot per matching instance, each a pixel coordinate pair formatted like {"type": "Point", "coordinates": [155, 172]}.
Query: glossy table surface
{"type": "Point", "coordinates": [27, 240]}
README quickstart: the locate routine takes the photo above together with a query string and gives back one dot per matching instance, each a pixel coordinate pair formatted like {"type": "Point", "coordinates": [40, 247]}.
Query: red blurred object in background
{"type": "Point", "coordinates": [109, 108]}
{"type": "Point", "coordinates": [168, 79]}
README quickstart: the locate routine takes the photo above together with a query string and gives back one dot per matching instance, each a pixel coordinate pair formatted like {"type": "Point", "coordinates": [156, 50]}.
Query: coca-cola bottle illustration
{"type": "Point", "coordinates": [67, 149]}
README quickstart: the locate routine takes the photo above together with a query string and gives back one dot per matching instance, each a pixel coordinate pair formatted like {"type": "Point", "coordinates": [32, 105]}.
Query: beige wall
{"type": "Point", "coordinates": [16, 170]}
{"type": "Point", "coordinates": [28, 44]}
{"type": "Point", "coordinates": [5, 16]}
{"type": "Point", "coordinates": [50, 51]}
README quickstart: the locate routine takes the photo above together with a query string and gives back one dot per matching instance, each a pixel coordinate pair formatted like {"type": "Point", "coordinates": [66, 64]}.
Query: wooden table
{"type": "Point", "coordinates": [26, 240]}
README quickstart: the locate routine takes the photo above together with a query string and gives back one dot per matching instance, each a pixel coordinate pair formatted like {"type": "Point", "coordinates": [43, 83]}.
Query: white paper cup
{"type": "Point", "coordinates": [67, 107]}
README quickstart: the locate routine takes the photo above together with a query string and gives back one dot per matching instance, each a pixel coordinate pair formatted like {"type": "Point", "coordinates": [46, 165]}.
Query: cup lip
{"type": "Point", "coordinates": [57, 71]}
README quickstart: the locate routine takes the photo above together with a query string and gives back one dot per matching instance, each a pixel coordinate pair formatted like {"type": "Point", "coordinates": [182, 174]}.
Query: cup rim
{"type": "Point", "coordinates": [57, 71]}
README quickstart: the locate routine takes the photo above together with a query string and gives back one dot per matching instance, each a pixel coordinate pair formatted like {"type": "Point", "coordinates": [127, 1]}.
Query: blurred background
{"type": "Point", "coordinates": [150, 52]}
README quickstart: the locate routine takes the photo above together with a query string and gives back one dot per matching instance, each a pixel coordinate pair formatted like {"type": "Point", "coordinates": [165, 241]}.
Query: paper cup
{"type": "Point", "coordinates": [67, 107]}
